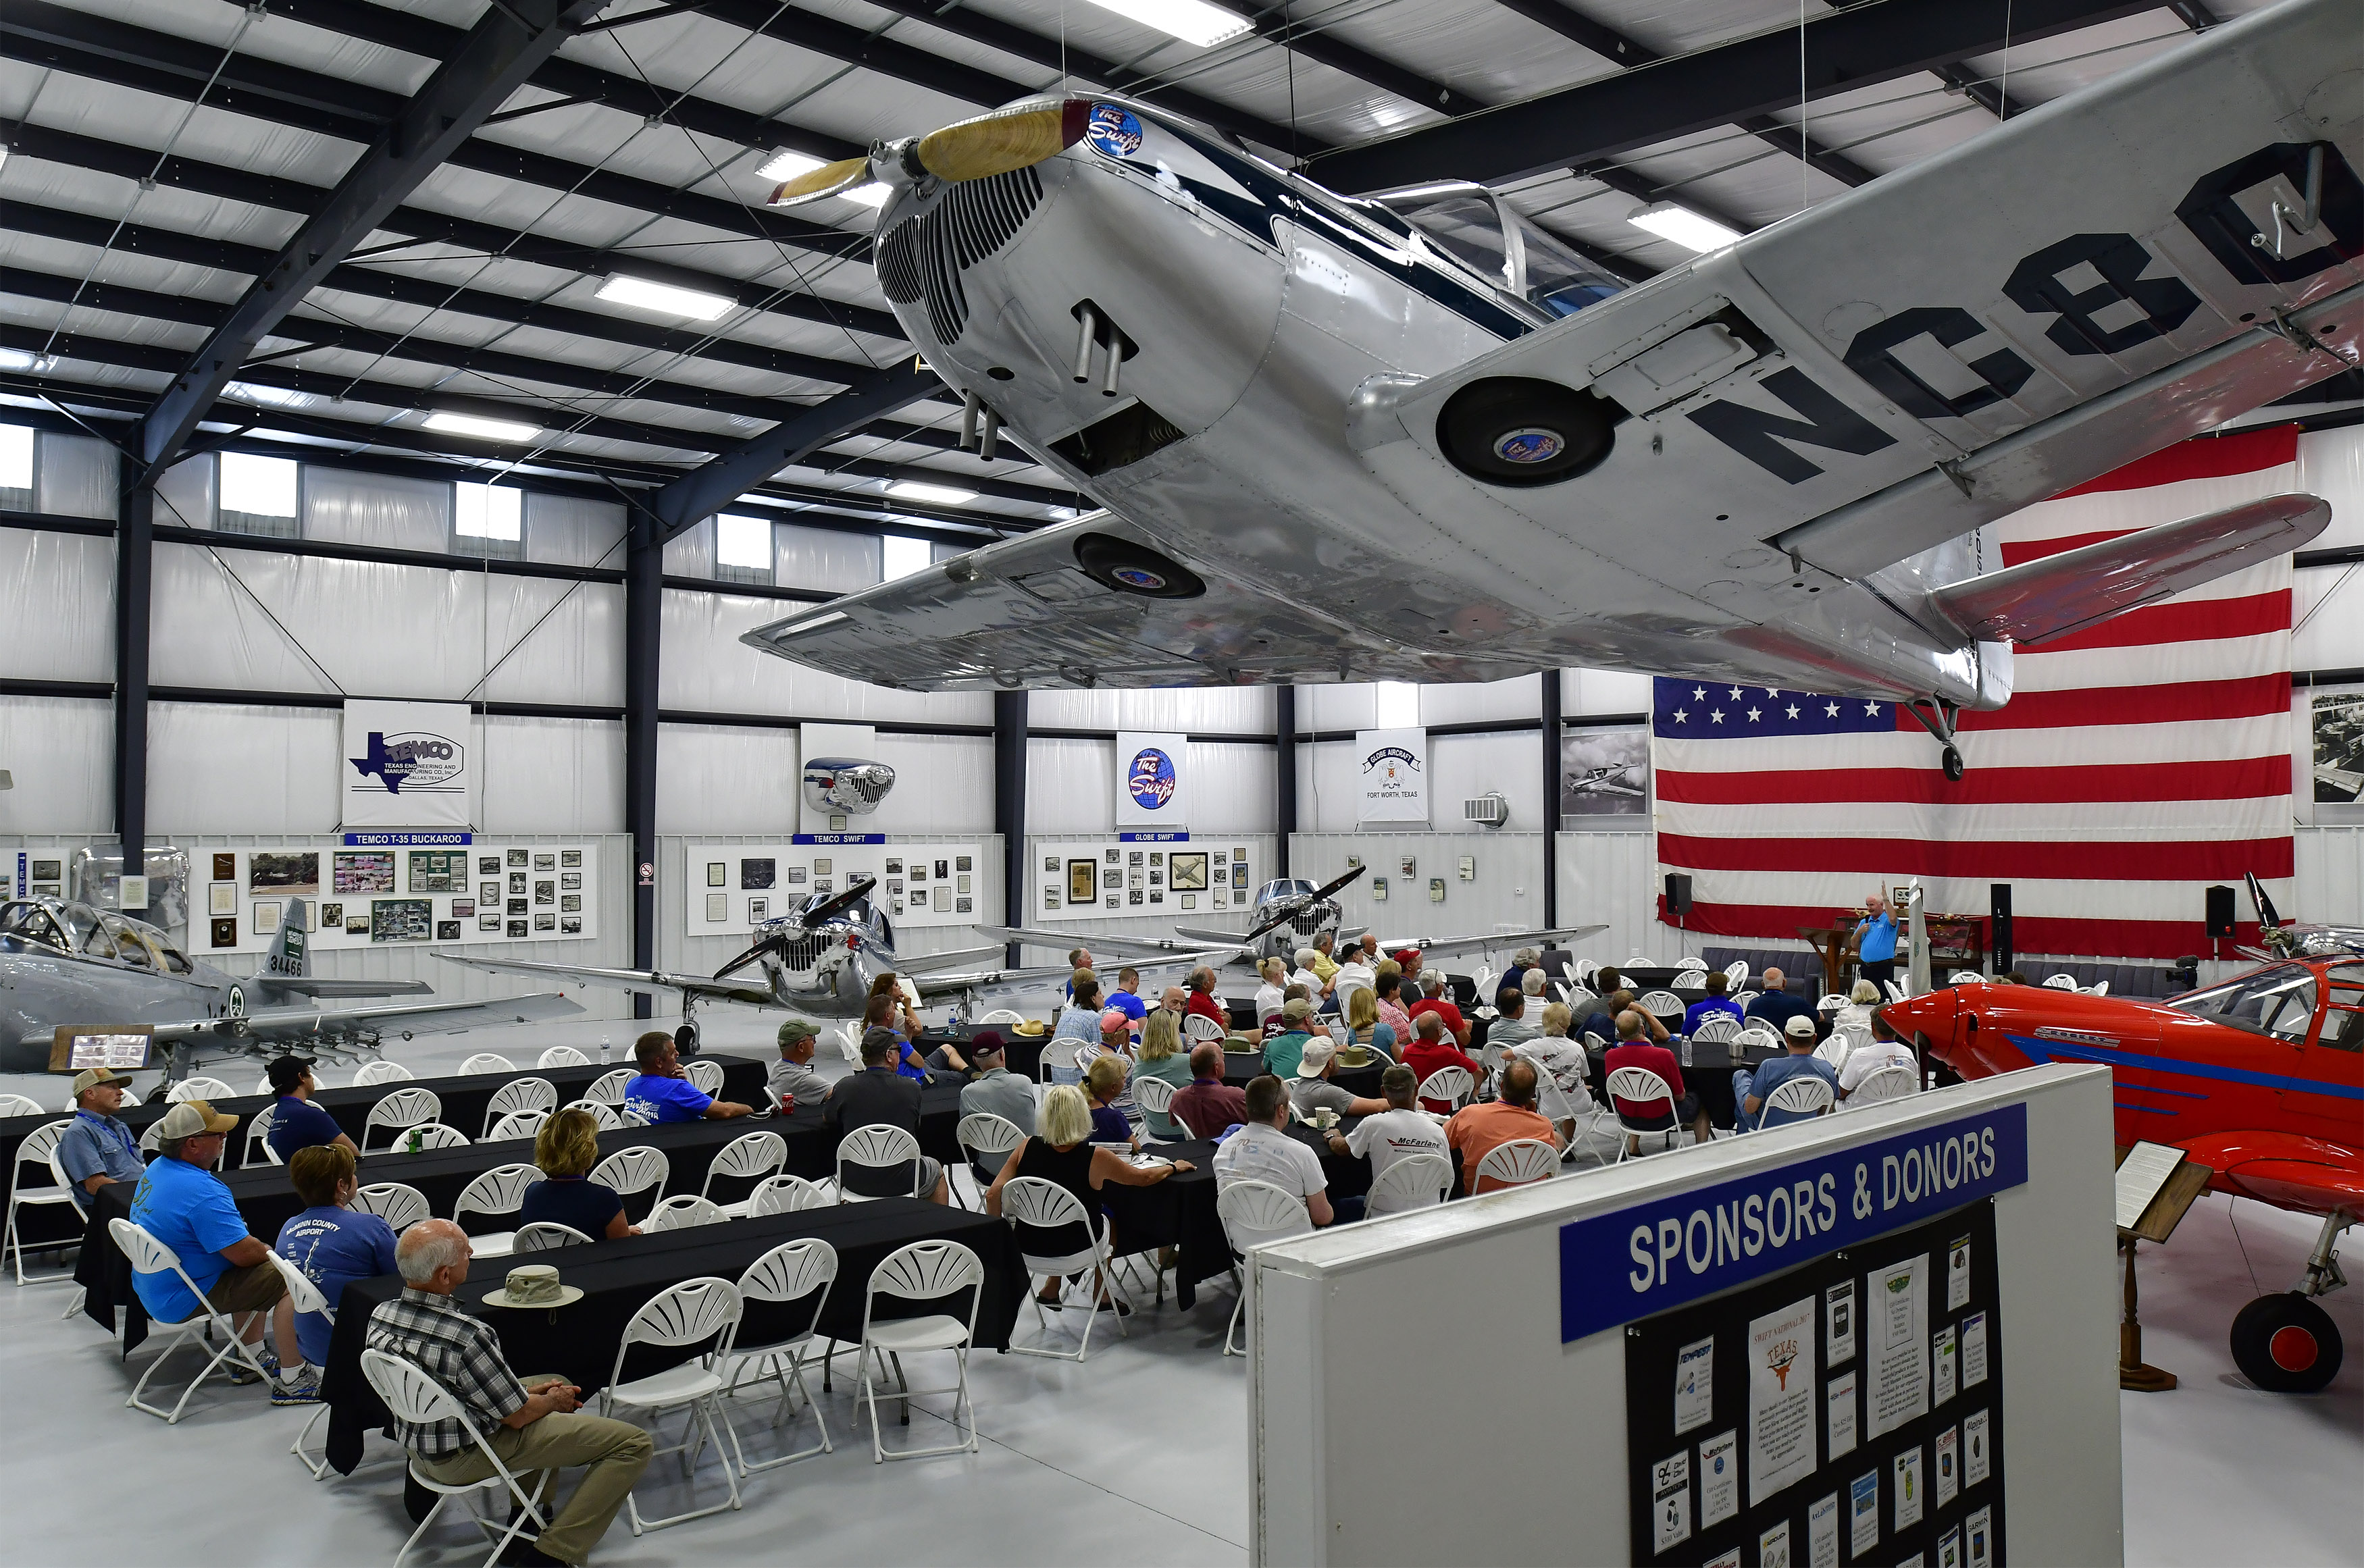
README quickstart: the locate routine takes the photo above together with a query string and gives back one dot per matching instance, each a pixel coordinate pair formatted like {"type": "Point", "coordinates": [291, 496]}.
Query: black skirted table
{"type": "Point", "coordinates": [1179, 1211]}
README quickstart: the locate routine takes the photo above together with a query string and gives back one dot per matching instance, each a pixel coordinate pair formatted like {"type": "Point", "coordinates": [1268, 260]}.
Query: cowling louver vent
{"type": "Point", "coordinates": [922, 257]}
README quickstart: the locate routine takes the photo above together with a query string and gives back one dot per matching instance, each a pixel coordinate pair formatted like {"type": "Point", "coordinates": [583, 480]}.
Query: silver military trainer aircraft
{"type": "Point", "coordinates": [66, 963]}
{"type": "Point", "coordinates": [1409, 437]}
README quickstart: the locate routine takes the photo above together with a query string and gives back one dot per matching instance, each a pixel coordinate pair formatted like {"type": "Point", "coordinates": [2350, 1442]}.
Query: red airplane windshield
{"type": "Point", "coordinates": [2343, 1028]}
{"type": "Point", "coordinates": [2278, 1001]}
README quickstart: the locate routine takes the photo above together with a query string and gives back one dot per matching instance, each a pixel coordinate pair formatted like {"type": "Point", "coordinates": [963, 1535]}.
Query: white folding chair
{"type": "Point", "coordinates": [1661, 1004]}
{"type": "Point", "coordinates": [1796, 1099]}
{"type": "Point", "coordinates": [543, 1235]}
{"type": "Point", "coordinates": [1642, 1086]}
{"type": "Point", "coordinates": [1737, 972]}
{"type": "Point", "coordinates": [379, 1072]}
{"type": "Point", "coordinates": [519, 1095]}
{"type": "Point", "coordinates": [1896, 992]}
{"type": "Point", "coordinates": [1031, 1201]}
{"type": "Point", "coordinates": [1693, 966]}
{"type": "Point", "coordinates": [1002, 1018]}
{"type": "Point", "coordinates": [600, 1111]}
{"type": "Point", "coordinates": [1453, 1085]}
{"type": "Point", "coordinates": [150, 1256]}
{"type": "Point", "coordinates": [1155, 1096]}
{"type": "Point", "coordinates": [634, 1170]}
{"type": "Point", "coordinates": [399, 1205]}
{"type": "Point", "coordinates": [2060, 982]}
{"type": "Point", "coordinates": [1831, 1003]}
{"type": "Point", "coordinates": [1835, 1049]}
{"type": "Point", "coordinates": [1890, 1083]}
{"type": "Point", "coordinates": [1254, 1212]}
{"type": "Point", "coordinates": [153, 1138]}
{"type": "Point", "coordinates": [1197, 1028]}
{"type": "Point", "coordinates": [211, 1089]}
{"type": "Point", "coordinates": [262, 1086]}
{"type": "Point", "coordinates": [500, 1191]}
{"type": "Point", "coordinates": [609, 1087]}
{"type": "Point", "coordinates": [562, 1056]}
{"type": "Point", "coordinates": [684, 1211]}
{"type": "Point", "coordinates": [1855, 1037]}
{"type": "Point", "coordinates": [23, 1104]}
{"type": "Point", "coordinates": [696, 1312]}
{"type": "Point", "coordinates": [1716, 1028]}
{"type": "Point", "coordinates": [877, 1146]}
{"type": "Point", "coordinates": [921, 1271]}
{"type": "Point", "coordinates": [398, 1113]}
{"type": "Point", "coordinates": [1517, 1162]}
{"type": "Point", "coordinates": [1057, 1053]}
{"type": "Point", "coordinates": [258, 1138]}
{"type": "Point", "coordinates": [485, 1062]}
{"type": "Point", "coordinates": [38, 1149]}
{"type": "Point", "coordinates": [781, 1277]}
{"type": "Point", "coordinates": [706, 1076]}
{"type": "Point", "coordinates": [784, 1195]}
{"type": "Point", "coordinates": [1416, 1181]}
{"type": "Point", "coordinates": [1965, 977]}
{"type": "Point", "coordinates": [433, 1135]}
{"type": "Point", "coordinates": [986, 1140]}
{"type": "Point", "coordinates": [1759, 1033]}
{"type": "Point", "coordinates": [749, 1154]}
{"type": "Point", "coordinates": [411, 1396]}
{"type": "Point", "coordinates": [514, 1126]}
{"type": "Point", "coordinates": [305, 1297]}
{"type": "Point", "coordinates": [2099, 988]}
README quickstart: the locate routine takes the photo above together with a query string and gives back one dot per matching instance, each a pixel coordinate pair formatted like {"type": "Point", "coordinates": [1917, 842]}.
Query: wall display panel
{"type": "Point", "coordinates": [1099, 881]}
{"type": "Point", "coordinates": [730, 888]}
{"type": "Point", "coordinates": [399, 888]}
{"type": "Point", "coordinates": [41, 572]}
{"type": "Point", "coordinates": [1504, 890]}
{"type": "Point", "coordinates": [2334, 732]}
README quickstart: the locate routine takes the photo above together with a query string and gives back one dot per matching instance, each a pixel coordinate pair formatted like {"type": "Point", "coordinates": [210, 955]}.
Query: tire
{"type": "Point", "coordinates": [685, 1039]}
{"type": "Point", "coordinates": [1953, 764]}
{"type": "Point", "coordinates": [1516, 430]}
{"type": "Point", "coordinates": [2286, 1344]}
{"type": "Point", "coordinates": [1137, 569]}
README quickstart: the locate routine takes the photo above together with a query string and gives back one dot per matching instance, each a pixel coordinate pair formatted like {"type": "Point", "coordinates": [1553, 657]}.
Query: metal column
{"type": "Point", "coordinates": [1284, 729]}
{"type": "Point", "coordinates": [644, 633]}
{"type": "Point", "coordinates": [135, 549]}
{"type": "Point", "coordinates": [1551, 797]}
{"type": "Point", "coordinates": [1009, 807]}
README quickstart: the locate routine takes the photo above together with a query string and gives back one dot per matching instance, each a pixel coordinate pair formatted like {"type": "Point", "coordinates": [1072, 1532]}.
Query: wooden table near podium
{"type": "Point", "coordinates": [1831, 943]}
{"type": "Point", "coordinates": [2168, 1198]}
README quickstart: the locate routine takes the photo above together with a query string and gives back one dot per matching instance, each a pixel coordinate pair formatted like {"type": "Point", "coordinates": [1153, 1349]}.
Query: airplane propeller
{"type": "Point", "coordinates": [997, 143]}
{"type": "Point", "coordinates": [789, 928]}
{"type": "Point", "coordinates": [1290, 909]}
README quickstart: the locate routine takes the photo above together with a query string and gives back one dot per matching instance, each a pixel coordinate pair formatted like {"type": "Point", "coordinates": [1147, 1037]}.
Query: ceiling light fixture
{"type": "Point", "coordinates": [1192, 21]}
{"type": "Point", "coordinates": [621, 288]}
{"type": "Point", "coordinates": [488, 430]}
{"type": "Point", "coordinates": [940, 494]}
{"type": "Point", "coordinates": [1671, 221]}
{"type": "Point", "coordinates": [279, 397]}
{"type": "Point", "coordinates": [786, 164]}
{"type": "Point", "coordinates": [872, 195]}
{"type": "Point", "coordinates": [21, 359]}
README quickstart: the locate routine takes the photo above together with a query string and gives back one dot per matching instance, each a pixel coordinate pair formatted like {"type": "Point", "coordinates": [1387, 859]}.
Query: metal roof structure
{"type": "Point", "coordinates": [307, 225]}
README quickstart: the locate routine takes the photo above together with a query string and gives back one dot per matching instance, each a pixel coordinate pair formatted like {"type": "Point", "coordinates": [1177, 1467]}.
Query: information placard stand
{"type": "Point", "coordinates": [2156, 1217]}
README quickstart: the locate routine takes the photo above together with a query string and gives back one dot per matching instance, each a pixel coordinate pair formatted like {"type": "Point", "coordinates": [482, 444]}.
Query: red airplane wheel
{"type": "Point", "coordinates": [2286, 1344]}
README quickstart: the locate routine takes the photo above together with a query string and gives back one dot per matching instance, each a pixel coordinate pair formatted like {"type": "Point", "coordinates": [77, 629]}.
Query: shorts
{"type": "Point", "coordinates": [254, 1288]}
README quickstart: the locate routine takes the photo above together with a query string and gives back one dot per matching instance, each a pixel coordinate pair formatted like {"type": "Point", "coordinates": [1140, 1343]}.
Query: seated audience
{"type": "Point", "coordinates": [330, 1243]}
{"type": "Point", "coordinates": [1203, 1003]}
{"type": "Point", "coordinates": [1432, 999]}
{"type": "Point", "coordinates": [1775, 1005]}
{"type": "Point", "coordinates": [1078, 1030]}
{"type": "Point", "coordinates": [1563, 1064]}
{"type": "Point", "coordinates": [1606, 982]}
{"type": "Point", "coordinates": [1103, 1082]}
{"type": "Point", "coordinates": [905, 1018]}
{"type": "Point", "coordinates": [1885, 1051]}
{"type": "Point", "coordinates": [1161, 1056]}
{"type": "Point", "coordinates": [1285, 1050]}
{"type": "Point", "coordinates": [1126, 997]}
{"type": "Point", "coordinates": [1477, 1130]}
{"type": "Point", "coordinates": [565, 1149]}
{"type": "Point", "coordinates": [1079, 960]}
{"type": "Point", "coordinates": [1208, 1104]}
{"type": "Point", "coordinates": [883, 1011]}
{"type": "Point", "coordinates": [1750, 1088]}
{"type": "Point", "coordinates": [996, 1090]}
{"type": "Point", "coordinates": [1325, 963]}
{"type": "Point", "coordinates": [295, 1121]}
{"type": "Point", "coordinates": [1635, 1049]}
{"type": "Point", "coordinates": [1511, 1026]}
{"type": "Point", "coordinates": [187, 1207]}
{"type": "Point", "coordinates": [1857, 1013]}
{"type": "Point", "coordinates": [1386, 988]}
{"type": "Point", "coordinates": [1393, 1134]}
{"type": "Point", "coordinates": [879, 1096]}
{"type": "Point", "coordinates": [96, 1149]}
{"type": "Point", "coordinates": [1354, 975]}
{"type": "Point", "coordinates": [1431, 1052]}
{"type": "Point", "coordinates": [1262, 1151]}
{"type": "Point", "coordinates": [1366, 1028]}
{"type": "Point", "coordinates": [1311, 1090]}
{"type": "Point", "coordinates": [1620, 1003]}
{"type": "Point", "coordinates": [534, 1431]}
{"type": "Point", "coordinates": [1275, 974]}
{"type": "Point", "coordinates": [1714, 1004]}
{"type": "Point", "coordinates": [1523, 962]}
{"type": "Point", "coordinates": [1305, 974]}
{"type": "Point", "coordinates": [793, 1080]}
{"type": "Point", "coordinates": [661, 1092]}
{"type": "Point", "coordinates": [1059, 1151]}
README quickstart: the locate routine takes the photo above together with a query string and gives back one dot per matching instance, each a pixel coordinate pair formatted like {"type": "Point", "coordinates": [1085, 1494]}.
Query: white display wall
{"type": "Point", "coordinates": [482, 892]}
{"type": "Point", "coordinates": [731, 888]}
{"type": "Point", "coordinates": [1501, 892]}
{"type": "Point", "coordinates": [1207, 881]}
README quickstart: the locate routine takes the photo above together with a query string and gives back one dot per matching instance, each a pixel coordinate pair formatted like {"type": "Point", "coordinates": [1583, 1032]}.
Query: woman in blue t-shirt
{"type": "Point", "coordinates": [329, 1242]}
{"type": "Point", "coordinates": [566, 1149]}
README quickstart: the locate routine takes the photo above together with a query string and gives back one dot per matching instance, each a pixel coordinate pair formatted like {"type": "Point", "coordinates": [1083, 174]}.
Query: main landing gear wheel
{"type": "Point", "coordinates": [1132, 568]}
{"type": "Point", "coordinates": [1953, 764]}
{"type": "Point", "coordinates": [1509, 429]}
{"type": "Point", "coordinates": [2286, 1344]}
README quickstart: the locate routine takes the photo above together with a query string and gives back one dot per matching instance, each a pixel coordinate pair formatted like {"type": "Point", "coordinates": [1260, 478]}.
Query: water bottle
{"type": "Point", "coordinates": [606, 1051]}
{"type": "Point", "coordinates": [1687, 1050]}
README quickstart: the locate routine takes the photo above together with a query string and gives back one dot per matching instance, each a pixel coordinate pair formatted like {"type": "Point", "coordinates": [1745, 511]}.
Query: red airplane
{"type": "Point", "coordinates": [2259, 1077]}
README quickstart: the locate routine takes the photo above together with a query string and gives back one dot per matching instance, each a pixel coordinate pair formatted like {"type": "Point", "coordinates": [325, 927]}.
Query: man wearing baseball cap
{"type": "Point", "coordinates": [792, 1075]}
{"type": "Point", "coordinates": [1751, 1090]}
{"type": "Point", "coordinates": [97, 1149]}
{"type": "Point", "coordinates": [1284, 1051]}
{"type": "Point", "coordinates": [1312, 1091]}
{"type": "Point", "coordinates": [185, 1207]}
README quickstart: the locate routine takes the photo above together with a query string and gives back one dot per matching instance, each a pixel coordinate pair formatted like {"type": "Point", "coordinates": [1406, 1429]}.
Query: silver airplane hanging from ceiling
{"type": "Point", "coordinates": [819, 959]}
{"type": "Point", "coordinates": [65, 963]}
{"type": "Point", "coordinates": [1414, 438]}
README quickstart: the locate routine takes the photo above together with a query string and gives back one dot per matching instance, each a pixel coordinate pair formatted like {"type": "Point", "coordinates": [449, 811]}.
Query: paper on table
{"type": "Point", "coordinates": [1719, 1460]}
{"type": "Point", "coordinates": [2141, 1173]}
{"type": "Point", "coordinates": [1898, 1352]}
{"type": "Point", "coordinates": [1823, 1533]}
{"type": "Point", "coordinates": [1670, 1490]}
{"type": "Point", "coordinates": [1974, 1349]}
{"type": "Point", "coordinates": [1780, 1400]}
{"type": "Point", "coordinates": [1694, 1385]}
{"type": "Point", "coordinates": [1974, 1449]}
{"type": "Point", "coordinates": [1841, 1395]}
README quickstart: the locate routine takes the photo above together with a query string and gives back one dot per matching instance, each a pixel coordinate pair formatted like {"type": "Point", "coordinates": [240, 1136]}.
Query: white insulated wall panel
{"type": "Point", "coordinates": [2327, 616]}
{"type": "Point", "coordinates": [1583, 692]}
{"type": "Point", "coordinates": [219, 768]}
{"type": "Point", "coordinates": [2331, 464]}
{"type": "Point", "coordinates": [57, 607]}
{"type": "Point", "coordinates": [1070, 787]}
{"type": "Point", "coordinates": [1505, 895]}
{"type": "Point", "coordinates": [1462, 767]}
{"type": "Point", "coordinates": [1482, 702]}
{"type": "Point", "coordinates": [720, 779]}
{"type": "Point", "coordinates": [550, 775]}
{"type": "Point", "coordinates": [943, 785]}
{"type": "Point", "coordinates": [76, 476]}
{"type": "Point", "coordinates": [383, 511]}
{"type": "Point", "coordinates": [185, 496]}
{"type": "Point", "coordinates": [1234, 789]}
{"type": "Point", "coordinates": [824, 561]}
{"type": "Point", "coordinates": [573, 531]}
{"type": "Point", "coordinates": [1203, 710]}
{"type": "Point", "coordinates": [59, 750]}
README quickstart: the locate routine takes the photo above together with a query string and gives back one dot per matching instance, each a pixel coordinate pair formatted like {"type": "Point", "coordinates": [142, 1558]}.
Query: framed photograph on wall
{"type": "Point", "coordinates": [463, 907]}
{"type": "Point", "coordinates": [718, 874]}
{"type": "Point", "coordinates": [488, 923]}
{"type": "Point", "coordinates": [570, 881]}
{"type": "Point", "coordinates": [488, 865]}
{"type": "Point", "coordinates": [570, 857]}
{"type": "Point", "coordinates": [221, 898]}
{"type": "Point", "coordinates": [1437, 890]}
{"type": "Point", "coordinates": [571, 903]}
{"type": "Point", "coordinates": [1083, 886]}
{"type": "Point", "coordinates": [545, 863]}
{"type": "Point", "coordinates": [285, 871]}
{"type": "Point", "coordinates": [266, 915]}
{"type": "Point", "coordinates": [1116, 901]}
{"type": "Point", "coordinates": [1188, 873]}
{"type": "Point", "coordinates": [357, 925]}
{"type": "Point", "coordinates": [718, 909]}
{"type": "Point", "coordinates": [1409, 866]}
{"type": "Point", "coordinates": [1189, 901]}
{"type": "Point", "coordinates": [226, 867]}
{"type": "Point", "coordinates": [402, 919]}
{"type": "Point", "coordinates": [1050, 897]}
{"type": "Point", "coordinates": [518, 859]}
{"type": "Point", "coordinates": [333, 917]}
{"type": "Point", "coordinates": [758, 909]}
{"type": "Point", "coordinates": [447, 930]}
{"type": "Point", "coordinates": [516, 928]}
{"type": "Point", "coordinates": [757, 873]}
{"type": "Point", "coordinates": [1379, 889]}
{"type": "Point", "coordinates": [224, 933]}
{"type": "Point", "coordinates": [895, 866]}
{"type": "Point", "coordinates": [943, 899]}
{"type": "Point", "coordinates": [1469, 867]}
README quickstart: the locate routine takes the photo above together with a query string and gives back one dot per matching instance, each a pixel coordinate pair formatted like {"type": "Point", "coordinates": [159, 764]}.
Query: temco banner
{"type": "Point", "coordinates": [405, 764]}
{"type": "Point", "coordinates": [1153, 794]}
{"type": "Point", "coordinates": [1393, 766]}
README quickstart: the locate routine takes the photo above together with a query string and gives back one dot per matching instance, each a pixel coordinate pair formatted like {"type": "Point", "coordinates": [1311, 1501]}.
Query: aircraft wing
{"type": "Point", "coordinates": [1454, 947]}
{"type": "Point", "coordinates": [919, 963]}
{"type": "Point", "coordinates": [703, 987]}
{"type": "Point", "coordinates": [1122, 947]}
{"type": "Point", "coordinates": [318, 989]}
{"type": "Point", "coordinates": [407, 1017]}
{"type": "Point", "coordinates": [2288, 1170]}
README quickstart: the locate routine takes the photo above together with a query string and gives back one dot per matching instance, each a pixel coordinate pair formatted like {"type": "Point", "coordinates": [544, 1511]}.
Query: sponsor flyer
{"type": "Point", "coordinates": [1670, 1490]}
{"type": "Point", "coordinates": [1823, 1533]}
{"type": "Point", "coordinates": [1863, 1513]}
{"type": "Point", "coordinates": [1949, 1465]}
{"type": "Point", "coordinates": [1719, 1467]}
{"type": "Point", "coordinates": [1949, 1549]}
{"type": "Point", "coordinates": [1981, 1540]}
{"type": "Point", "coordinates": [1957, 1275]}
{"type": "Point", "coordinates": [1974, 1448]}
{"type": "Point", "coordinates": [1842, 1415]}
{"type": "Point", "coordinates": [1838, 1318]}
{"type": "Point", "coordinates": [1974, 1349]}
{"type": "Point", "coordinates": [1943, 1357]}
{"type": "Point", "coordinates": [1899, 1345]}
{"type": "Point", "coordinates": [1694, 1385]}
{"type": "Point", "coordinates": [1905, 1487]}
{"type": "Point", "coordinates": [1781, 1379]}
{"type": "Point", "coordinates": [1773, 1547]}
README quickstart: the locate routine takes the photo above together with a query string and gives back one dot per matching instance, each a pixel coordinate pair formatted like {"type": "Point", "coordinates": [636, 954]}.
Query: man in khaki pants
{"type": "Point", "coordinates": [534, 1426]}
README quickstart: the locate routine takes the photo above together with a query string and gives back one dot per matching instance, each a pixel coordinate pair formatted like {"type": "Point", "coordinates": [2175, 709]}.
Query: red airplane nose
{"type": "Point", "coordinates": [1931, 1013]}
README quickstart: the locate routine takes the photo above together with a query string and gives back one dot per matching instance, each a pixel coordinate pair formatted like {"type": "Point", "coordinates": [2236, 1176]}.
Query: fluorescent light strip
{"type": "Point", "coordinates": [1192, 21]}
{"type": "Point", "coordinates": [942, 495]}
{"type": "Point", "coordinates": [788, 165]}
{"type": "Point", "coordinates": [695, 304]}
{"type": "Point", "coordinates": [872, 195]}
{"type": "Point", "coordinates": [488, 430]}
{"type": "Point", "coordinates": [1672, 221]}
{"type": "Point", "coordinates": [278, 397]}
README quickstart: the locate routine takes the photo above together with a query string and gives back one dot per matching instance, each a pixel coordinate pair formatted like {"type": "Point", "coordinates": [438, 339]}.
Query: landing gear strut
{"type": "Point", "coordinates": [1936, 716]}
{"type": "Point", "coordinates": [2286, 1344]}
{"type": "Point", "coordinates": [684, 1034]}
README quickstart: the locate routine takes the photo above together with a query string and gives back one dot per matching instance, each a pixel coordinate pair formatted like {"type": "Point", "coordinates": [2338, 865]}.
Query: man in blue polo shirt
{"type": "Point", "coordinates": [1126, 997]}
{"type": "Point", "coordinates": [662, 1093]}
{"type": "Point", "coordinates": [296, 1122]}
{"type": "Point", "coordinates": [1775, 1005]}
{"type": "Point", "coordinates": [1715, 1003]}
{"type": "Point", "coordinates": [1874, 940]}
{"type": "Point", "coordinates": [96, 1149]}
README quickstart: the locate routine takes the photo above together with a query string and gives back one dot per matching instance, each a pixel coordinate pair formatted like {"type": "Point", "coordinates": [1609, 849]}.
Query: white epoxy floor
{"type": "Point", "coordinates": [1138, 1456]}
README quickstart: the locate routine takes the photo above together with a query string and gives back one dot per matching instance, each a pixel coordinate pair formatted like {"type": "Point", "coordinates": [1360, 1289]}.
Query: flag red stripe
{"type": "Point", "coordinates": [2214, 457]}
{"type": "Point", "coordinates": [2241, 780]}
{"type": "Point", "coordinates": [2204, 621]}
{"type": "Point", "coordinates": [2205, 860]}
{"type": "Point", "coordinates": [2179, 703]}
{"type": "Point", "coordinates": [2117, 939]}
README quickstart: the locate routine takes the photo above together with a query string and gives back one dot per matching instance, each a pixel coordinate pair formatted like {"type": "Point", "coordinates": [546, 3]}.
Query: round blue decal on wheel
{"type": "Point", "coordinates": [1113, 131]}
{"type": "Point", "coordinates": [1140, 577]}
{"type": "Point", "coordinates": [1151, 779]}
{"type": "Point", "coordinates": [1530, 445]}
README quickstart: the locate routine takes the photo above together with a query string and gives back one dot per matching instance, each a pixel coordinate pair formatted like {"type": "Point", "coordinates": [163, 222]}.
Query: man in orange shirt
{"type": "Point", "coordinates": [1429, 1051]}
{"type": "Point", "coordinates": [1475, 1130]}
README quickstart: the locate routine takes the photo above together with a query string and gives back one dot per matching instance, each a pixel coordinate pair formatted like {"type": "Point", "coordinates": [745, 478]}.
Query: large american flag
{"type": "Point", "coordinates": [2138, 763]}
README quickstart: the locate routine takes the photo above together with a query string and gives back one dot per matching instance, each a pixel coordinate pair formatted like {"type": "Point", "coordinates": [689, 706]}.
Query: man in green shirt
{"type": "Point", "coordinates": [1286, 1050]}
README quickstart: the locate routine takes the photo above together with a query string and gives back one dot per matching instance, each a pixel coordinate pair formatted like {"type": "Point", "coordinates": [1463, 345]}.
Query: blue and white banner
{"type": "Point", "coordinates": [405, 764]}
{"type": "Point", "coordinates": [1153, 794]}
{"type": "Point", "coordinates": [1675, 1248]}
{"type": "Point", "coordinates": [1392, 768]}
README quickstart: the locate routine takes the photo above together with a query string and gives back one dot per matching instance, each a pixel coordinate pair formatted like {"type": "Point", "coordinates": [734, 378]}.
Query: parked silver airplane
{"type": "Point", "coordinates": [1413, 437]}
{"type": "Point", "coordinates": [62, 963]}
{"type": "Point", "coordinates": [819, 959]}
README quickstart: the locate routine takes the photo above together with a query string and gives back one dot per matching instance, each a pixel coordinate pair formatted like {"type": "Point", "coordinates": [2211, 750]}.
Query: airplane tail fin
{"type": "Point", "coordinates": [290, 957]}
{"type": "Point", "coordinates": [2268, 919]}
{"type": "Point", "coordinates": [2039, 600]}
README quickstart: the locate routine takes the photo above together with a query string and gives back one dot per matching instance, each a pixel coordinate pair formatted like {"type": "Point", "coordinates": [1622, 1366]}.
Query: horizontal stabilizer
{"type": "Point", "coordinates": [307, 986]}
{"type": "Point", "coordinates": [2038, 600]}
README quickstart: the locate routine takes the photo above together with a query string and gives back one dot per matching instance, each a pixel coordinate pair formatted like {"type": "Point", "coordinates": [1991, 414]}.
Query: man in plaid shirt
{"type": "Point", "coordinates": [534, 1426]}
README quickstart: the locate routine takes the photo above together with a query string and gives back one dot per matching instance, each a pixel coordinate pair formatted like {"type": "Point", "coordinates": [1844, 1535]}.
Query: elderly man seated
{"type": "Point", "coordinates": [1512, 1025]}
{"type": "Point", "coordinates": [534, 1425]}
{"type": "Point", "coordinates": [1396, 1133]}
{"type": "Point", "coordinates": [1208, 1104]}
{"type": "Point", "coordinates": [792, 1080]}
{"type": "Point", "coordinates": [1775, 1005]}
{"type": "Point", "coordinates": [1262, 1150]}
{"type": "Point", "coordinates": [1311, 1090]}
{"type": "Point", "coordinates": [996, 1090]}
{"type": "Point", "coordinates": [1750, 1090]}
{"type": "Point", "coordinates": [880, 1096]}
{"type": "Point", "coordinates": [96, 1149]}
{"type": "Point", "coordinates": [1284, 1051]}
{"type": "Point", "coordinates": [1885, 1051]}
{"type": "Point", "coordinates": [1478, 1130]}
{"type": "Point", "coordinates": [1716, 1004]}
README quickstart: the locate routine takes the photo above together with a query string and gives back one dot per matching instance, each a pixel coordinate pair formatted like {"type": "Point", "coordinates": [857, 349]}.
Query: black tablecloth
{"type": "Point", "coordinates": [1179, 1211]}
{"type": "Point", "coordinates": [1708, 1074]}
{"type": "Point", "coordinates": [578, 1340]}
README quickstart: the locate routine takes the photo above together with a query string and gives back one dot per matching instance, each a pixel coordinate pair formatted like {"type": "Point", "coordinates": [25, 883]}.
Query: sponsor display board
{"type": "Point", "coordinates": [1153, 785]}
{"type": "Point", "coordinates": [1206, 880]}
{"type": "Point", "coordinates": [1393, 784]}
{"type": "Point", "coordinates": [407, 764]}
{"type": "Point", "coordinates": [730, 889]}
{"type": "Point", "coordinates": [383, 887]}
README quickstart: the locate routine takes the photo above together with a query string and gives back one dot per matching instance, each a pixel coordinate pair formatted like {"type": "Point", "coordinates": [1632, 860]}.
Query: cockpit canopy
{"type": "Point", "coordinates": [860, 913]}
{"type": "Point", "coordinates": [1480, 230]}
{"type": "Point", "coordinates": [77, 929]}
{"type": "Point", "coordinates": [1284, 887]}
{"type": "Point", "coordinates": [2282, 1000]}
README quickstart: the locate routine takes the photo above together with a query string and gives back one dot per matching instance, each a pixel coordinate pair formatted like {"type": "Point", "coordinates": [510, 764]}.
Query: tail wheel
{"type": "Point", "coordinates": [1519, 431]}
{"type": "Point", "coordinates": [1953, 764]}
{"type": "Point", "coordinates": [2286, 1344]}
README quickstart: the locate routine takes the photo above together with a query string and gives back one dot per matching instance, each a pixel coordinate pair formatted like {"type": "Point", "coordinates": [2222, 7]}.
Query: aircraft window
{"type": "Point", "coordinates": [85, 933]}
{"type": "Point", "coordinates": [1558, 279]}
{"type": "Point", "coordinates": [1282, 889]}
{"type": "Point", "coordinates": [2277, 1001]}
{"type": "Point", "coordinates": [2343, 1025]}
{"type": "Point", "coordinates": [32, 923]}
{"type": "Point", "coordinates": [1465, 225]}
{"type": "Point", "coordinates": [128, 945]}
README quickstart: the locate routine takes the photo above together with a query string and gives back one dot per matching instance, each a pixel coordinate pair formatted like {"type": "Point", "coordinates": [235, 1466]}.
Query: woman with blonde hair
{"type": "Point", "coordinates": [1364, 1024]}
{"type": "Point", "coordinates": [564, 1150]}
{"type": "Point", "coordinates": [1162, 1056]}
{"type": "Point", "coordinates": [1273, 973]}
{"type": "Point", "coordinates": [1857, 1013]}
{"type": "Point", "coordinates": [1061, 1152]}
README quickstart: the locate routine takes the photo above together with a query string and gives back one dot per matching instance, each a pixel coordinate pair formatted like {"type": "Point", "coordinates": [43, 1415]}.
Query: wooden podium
{"type": "Point", "coordinates": [2155, 1194]}
{"type": "Point", "coordinates": [1831, 943]}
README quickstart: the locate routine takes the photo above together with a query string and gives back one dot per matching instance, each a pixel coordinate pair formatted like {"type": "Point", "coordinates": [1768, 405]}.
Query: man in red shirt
{"type": "Point", "coordinates": [1478, 1130]}
{"type": "Point", "coordinates": [1633, 1050]}
{"type": "Point", "coordinates": [1208, 1104]}
{"type": "Point", "coordinates": [1434, 1000]}
{"type": "Point", "coordinates": [1203, 1002]}
{"type": "Point", "coordinates": [1431, 1052]}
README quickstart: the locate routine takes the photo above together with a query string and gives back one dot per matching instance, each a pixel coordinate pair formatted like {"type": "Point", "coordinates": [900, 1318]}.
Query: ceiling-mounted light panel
{"type": "Point", "coordinates": [1192, 21]}
{"type": "Point", "coordinates": [484, 429]}
{"type": "Point", "coordinates": [640, 293]}
{"type": "Point", "coordinates": [1673, 221]}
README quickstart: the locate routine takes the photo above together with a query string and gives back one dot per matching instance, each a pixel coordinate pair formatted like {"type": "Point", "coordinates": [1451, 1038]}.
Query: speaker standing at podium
{"type": "Point", "coordinates": [1874, 940]}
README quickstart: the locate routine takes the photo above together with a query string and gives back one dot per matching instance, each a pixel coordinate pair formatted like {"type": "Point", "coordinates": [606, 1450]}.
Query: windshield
{"type": "Point", "coordinates": [1283, 889]}
{"type": "Point", "coordinates": [1468, 224]}
{"type": "Point", "coordinates": [32, 923]}
{"type": "Point", "coordinates": [2278, 1001]}
{"type": "Point", "coordinates": [1557, 278]}
{"type": "Point", "coordinates": [2343, 1025]}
